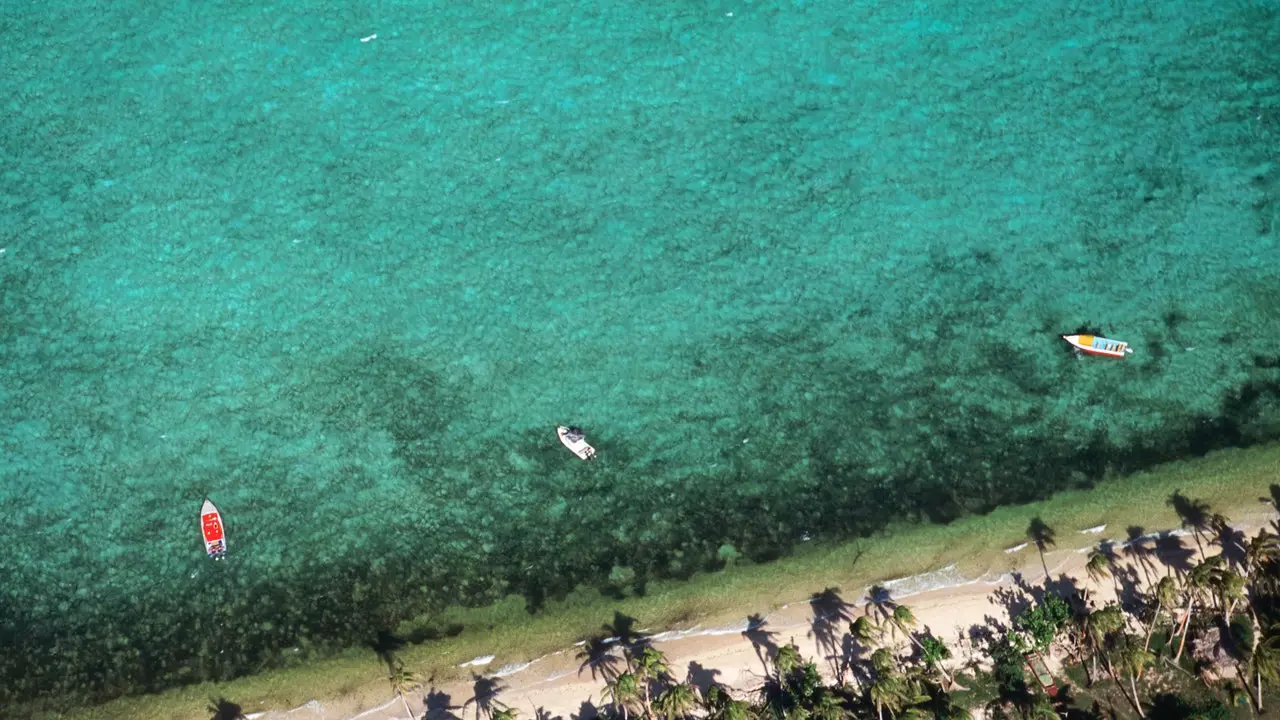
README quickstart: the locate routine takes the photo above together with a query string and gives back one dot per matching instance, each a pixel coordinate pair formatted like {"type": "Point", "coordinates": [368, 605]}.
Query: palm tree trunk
{"type": "Point", "coordinates": [1258, 680]}
{"type": "Point", "coordinates": [1133, 700]}
{"type": "Point", "coordinates": [1152, 627]}
{"type": "Point", "coordinates": [406, 705]}
{"type": "Point", "coordinates": [945, 674]}
{"type": "Point", "coordinates": [1137, 705]}
{"type": "Point", "coordinates": [1186, 625]}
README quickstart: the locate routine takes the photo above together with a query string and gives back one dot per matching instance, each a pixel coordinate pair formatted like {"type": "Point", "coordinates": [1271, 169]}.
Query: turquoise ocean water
{"type": "Point", "coordinates": [794, 267]}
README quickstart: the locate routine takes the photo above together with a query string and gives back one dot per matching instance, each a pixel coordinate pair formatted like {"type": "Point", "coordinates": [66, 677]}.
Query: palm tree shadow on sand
{"type": "Point", "coordinates": [597, 656]}
{"type": "Point", "coordinates": [701, 677]}
{"type": "Point", "coordinates": [586, 711]}
{"type": "Point", "coordinates": [541, 713]}
{"type": "Point", "coordinates": [1194, 514]}
{"type": "Point", "coordinates": [605, 652]}
{"type": "Point", "coordinates": [439, 706]}
{"type": "Point", "coordinates": [761, 640]}
{"type": "Point", "coordinates": [830, 617]}
{"type": "Point", "coordinates": [879, 603]}
{"type": "Point", "coordinates": [484, 696]}
{"type": "Point", "coordinates": [1173, 553]}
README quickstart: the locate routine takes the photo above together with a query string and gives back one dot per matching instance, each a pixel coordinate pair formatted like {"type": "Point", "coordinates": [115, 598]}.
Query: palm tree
{"type": "Point", "coordinates": [505, 713]}
{"type": "Point", "coordinates": [650, 667]}
{"type": "Point", "coordinates": [1098, 566]}
{"type": "Point", "coordinates": [1263, 547]}
{"type": "Point", "coordinates": [403, 682]}
{"type": "Point", "coordinates": [1100, 624]}
{"type": "Point", "coordinates": [905, 620]}
{"type": "Point", "coordinates": [883, 662]}
{"type": "Point", "coordinates": [866, 634]}
{"type": "Point", "coordinates": [889, 691]}
{"type": "Point", "coordinates": [786, 661]}
{"type": "Point", "coordinates": [1263, 665]}
{"type": "Point", "coordinates": [1166, 595]}
{"type": "Point", "coordinates": [676, 702]}
{"type": "Point", "coordinates": [865, 631]}
{"type": "Point", "coordinates": [1200, 582]}
{"type": "Point", "coordinates": [623, 693]}
{"type": "Point", "coordinates": [1228, 586]}
{"type": "Point", "coordinates": [828, 706]}
{"type": "Point", "coordinates": [720, 705]}
{"type": "Point", "coordinates": [934, 652]}
{"type": "Point", "coordinates": [1134, 660]}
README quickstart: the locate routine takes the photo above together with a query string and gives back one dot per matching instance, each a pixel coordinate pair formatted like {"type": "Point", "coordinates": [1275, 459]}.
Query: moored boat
{"type": "Point", "coordinates": [574, 439]}
{"type": "Point", "coordinates": [1095, 345]}
{"type": "Point", "coordinates": [215, 541]}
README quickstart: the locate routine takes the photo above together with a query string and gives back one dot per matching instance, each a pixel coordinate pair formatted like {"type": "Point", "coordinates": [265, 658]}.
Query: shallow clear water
{"type": "Point", "coordinates": [795, 268]}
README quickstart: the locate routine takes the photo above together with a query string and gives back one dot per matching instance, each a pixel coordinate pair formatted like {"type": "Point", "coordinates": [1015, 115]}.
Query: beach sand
{"type": "Point", "coordinates": [558, 685]}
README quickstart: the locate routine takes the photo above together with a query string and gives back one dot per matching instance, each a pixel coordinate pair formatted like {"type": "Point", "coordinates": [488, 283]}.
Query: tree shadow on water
{"type": "Point", "coordinates": [598, 651]}
{"type": "Point", "coordinates": [623, 628]}
{"type": "Point", "coordinates": [1043, 537]}
{"type": "Point", "coordinates": [385, 645]}
{"type": "Point", "coordinates": [224, 709]}
{"type": "Point", "coordinates": [1194, 514]}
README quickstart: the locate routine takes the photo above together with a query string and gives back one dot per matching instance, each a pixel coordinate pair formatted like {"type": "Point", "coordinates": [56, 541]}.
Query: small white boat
{"type": "Point", "coordinates": [215, 541]}
{"type": "Point", "coordinates": [1094, 345]}
{"type": "Point", "coordinates": [574, 439]}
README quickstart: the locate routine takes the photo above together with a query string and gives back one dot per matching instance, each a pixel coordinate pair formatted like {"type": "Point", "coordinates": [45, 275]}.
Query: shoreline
{"type": "Point", "coordinates": [559, 699]}
{"type": "Point", "coordinates": [918, 561]}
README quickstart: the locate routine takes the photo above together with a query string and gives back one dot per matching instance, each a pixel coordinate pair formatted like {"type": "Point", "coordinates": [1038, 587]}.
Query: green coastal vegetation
{"type": "Point", "coordinates": [1126, 658]}
{"type": "Point", "coordinates": [1231, 482]}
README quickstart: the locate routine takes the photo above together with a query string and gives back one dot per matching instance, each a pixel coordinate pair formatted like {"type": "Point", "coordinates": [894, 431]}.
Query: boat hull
{"type": "Point", "coordinates": [1098, 346]}
{"type": "Point", "coordinates": [578, 446]}
{"type": "Point", "coordinates": [215, 540]}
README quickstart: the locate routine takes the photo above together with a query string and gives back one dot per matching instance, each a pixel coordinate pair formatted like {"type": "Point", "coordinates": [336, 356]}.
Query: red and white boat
{"type": "Point", "coordinates": [574, 439]}
{"type": "Point", "coordinates": [215, 541]}
{"type": "Point", "coordinates": [1094, 345]}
